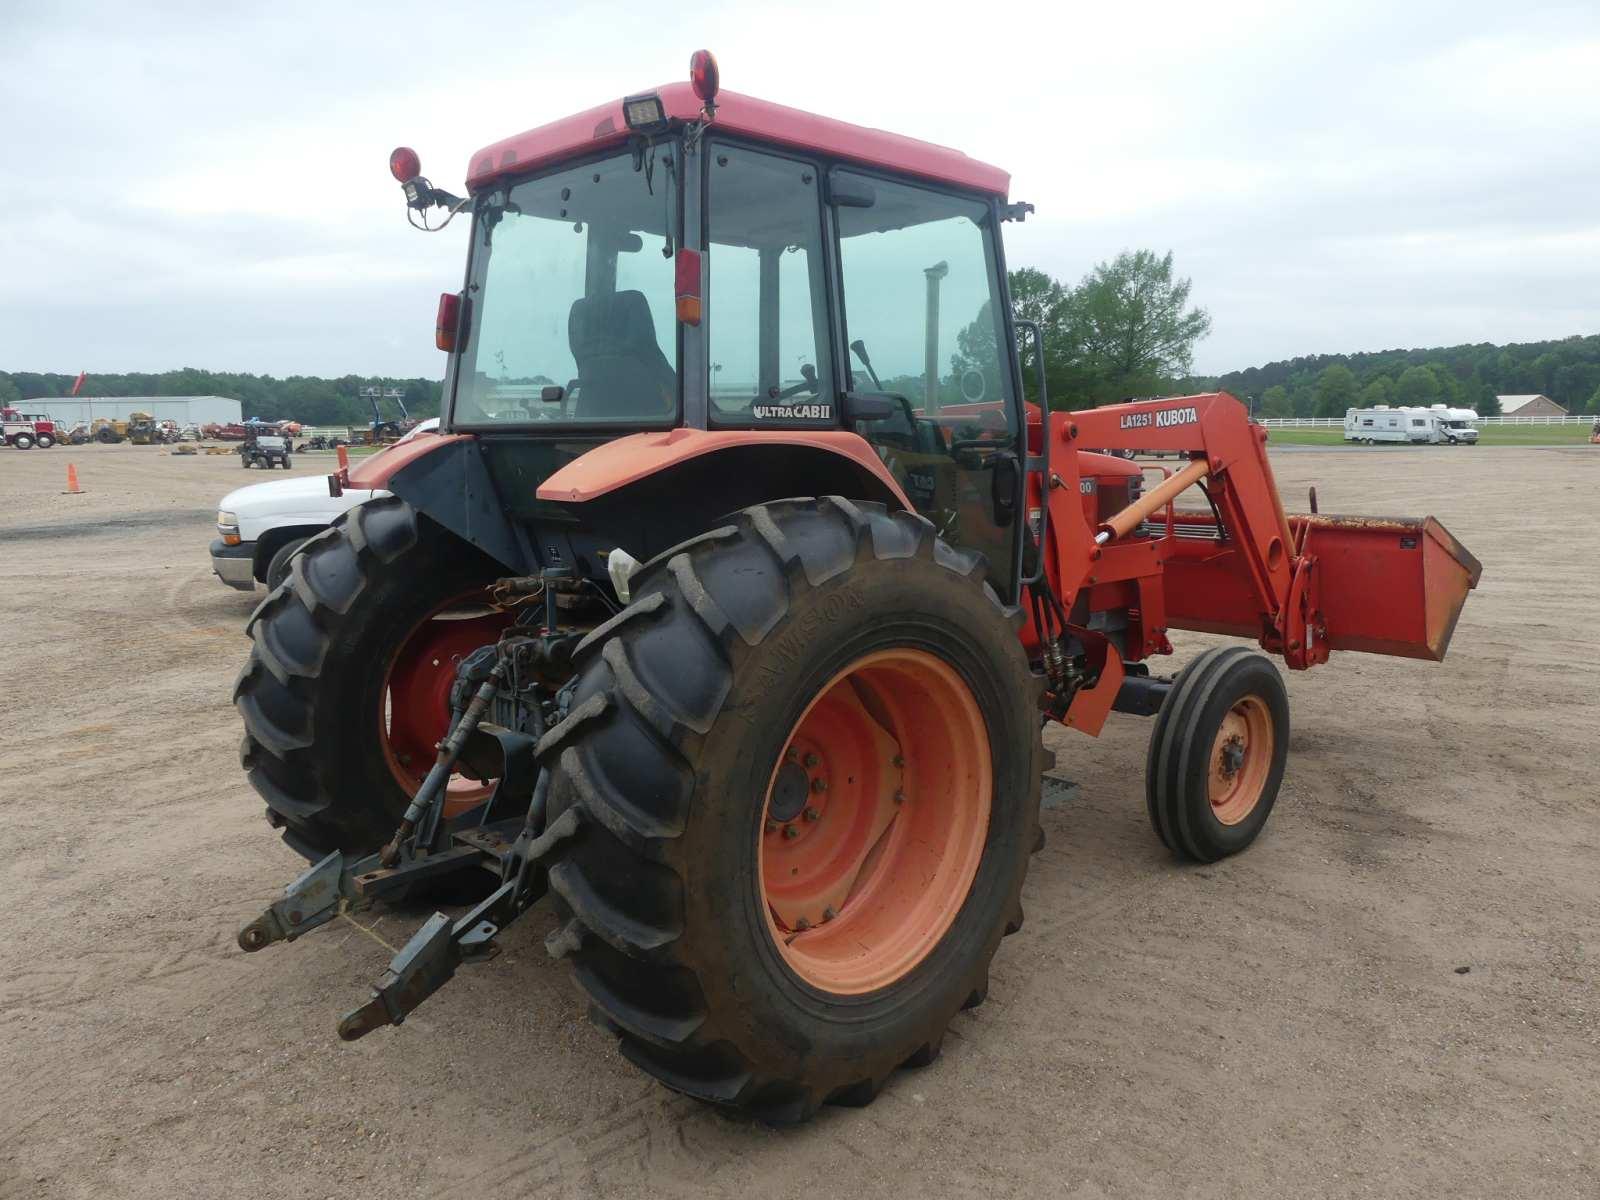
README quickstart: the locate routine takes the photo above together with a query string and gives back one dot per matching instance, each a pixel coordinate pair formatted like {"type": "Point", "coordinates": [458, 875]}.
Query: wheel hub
{"type": "Point", "coordinates": [416, 695]}
{"type": "Point", "coordinates": [790, 791]}
{"type": "Point", "coordinates": [1241, 759]}
{"type": "Point", "coordinates": [875, 821]}
{"type": "Point", "coordinates": [1232, 756]}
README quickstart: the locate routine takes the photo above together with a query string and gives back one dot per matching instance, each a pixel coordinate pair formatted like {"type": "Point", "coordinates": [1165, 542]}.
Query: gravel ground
{"type": "Point", "coordinates": [1392, 993]}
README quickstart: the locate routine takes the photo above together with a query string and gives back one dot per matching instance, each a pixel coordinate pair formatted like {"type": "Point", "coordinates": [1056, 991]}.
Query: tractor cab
{"type": "Point", "coordinates": [705, 261]}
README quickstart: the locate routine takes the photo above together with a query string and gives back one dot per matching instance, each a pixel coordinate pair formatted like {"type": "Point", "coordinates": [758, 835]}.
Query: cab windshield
{"type": "Point", "coordinates": [569, 308]}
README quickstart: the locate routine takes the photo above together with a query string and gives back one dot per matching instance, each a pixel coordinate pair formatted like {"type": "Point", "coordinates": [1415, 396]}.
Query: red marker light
{"type": "Point", "coordinates": [703, 75]}
{"type": "Point", "coordinates": [404, 164]}
{"type": "Point", "coordinates": [686, 272]}
{"type": "Point", "coordinates": [447, 322]}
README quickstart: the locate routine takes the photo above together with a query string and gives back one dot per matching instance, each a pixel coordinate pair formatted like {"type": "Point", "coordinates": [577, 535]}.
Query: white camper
{"type": "Point", "coordinates": [1411, 426]}
{"type": "Point", "coordinates": [1455, 426]}
{"type": "Point", "coordinates": [1382, 423]}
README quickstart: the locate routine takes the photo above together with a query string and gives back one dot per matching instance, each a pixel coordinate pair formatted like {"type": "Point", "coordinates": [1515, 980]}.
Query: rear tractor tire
{"type": "Point", "coordinates": [800, 773]}
{"type": "Point", "coordinates": [1217, 754]}
{"type": "Point", "coordinates": [351, 661]}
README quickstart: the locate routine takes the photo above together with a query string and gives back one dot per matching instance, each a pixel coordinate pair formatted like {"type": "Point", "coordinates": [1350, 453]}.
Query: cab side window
{"type": "Point", "coordinates": [766, 310]}
{"type": "Point", "coordinates": [923, 320]}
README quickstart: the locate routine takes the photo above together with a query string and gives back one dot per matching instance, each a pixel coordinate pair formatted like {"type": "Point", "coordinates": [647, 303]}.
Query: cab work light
{"type": "Point", "coordinates": [644, 113]}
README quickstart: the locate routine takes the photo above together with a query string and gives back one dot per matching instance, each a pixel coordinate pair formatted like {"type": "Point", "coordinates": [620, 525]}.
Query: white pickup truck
{"type": "Point", "coordinates": [261, 526]}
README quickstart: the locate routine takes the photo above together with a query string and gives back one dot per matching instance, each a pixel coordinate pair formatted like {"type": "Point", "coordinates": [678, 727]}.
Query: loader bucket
{"type": "Point", "coordinates": [1389, 585]}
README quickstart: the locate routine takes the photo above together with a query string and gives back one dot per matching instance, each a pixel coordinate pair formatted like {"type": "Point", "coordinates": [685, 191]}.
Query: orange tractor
{"type": "Point", "coordinates": [729, 605]}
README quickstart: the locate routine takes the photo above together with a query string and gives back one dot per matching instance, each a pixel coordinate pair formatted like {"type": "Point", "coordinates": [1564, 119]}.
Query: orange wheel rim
{"type": "Point", "coordinates": [414, 708]}
{"type": "Point", "coordinates": [1241, 757]}
{"type": "Point", "coordinates": [875, 821]}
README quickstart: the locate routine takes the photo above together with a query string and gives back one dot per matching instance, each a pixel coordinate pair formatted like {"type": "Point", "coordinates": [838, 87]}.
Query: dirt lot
{"type": "Point", "coordinates": [1290, 1022]}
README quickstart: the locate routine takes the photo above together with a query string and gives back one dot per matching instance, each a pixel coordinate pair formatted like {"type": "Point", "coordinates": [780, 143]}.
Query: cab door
{"type": "Point", "coordinates": [923, 315]}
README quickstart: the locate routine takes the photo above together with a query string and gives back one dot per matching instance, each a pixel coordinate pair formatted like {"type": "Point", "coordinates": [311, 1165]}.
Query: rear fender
{"type": "Point", "coordinates": [644, 491]}
{"type": "Point", "coordinates": [446, 478]}
{"type": "Point", "coordinates": [629, 460]}
{"type": "Point", "coordinates": [648, 492]}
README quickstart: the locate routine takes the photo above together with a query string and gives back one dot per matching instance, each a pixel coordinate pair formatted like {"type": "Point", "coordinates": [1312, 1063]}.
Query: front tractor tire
{"type": "Point", "coordinates": [801, 774]}
{"type": "Point", "coordinates": [1217, 754]}
{"type": "Point", "coordinates": [351, 661]}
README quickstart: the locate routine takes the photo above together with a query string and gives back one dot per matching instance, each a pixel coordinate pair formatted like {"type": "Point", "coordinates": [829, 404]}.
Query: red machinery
{"type": "Point", "coordinates": [743, 654]}
{"type": "Point", "coordinates": [25, 431]}
{"type": "Point", "coordinates": [1300, 585]}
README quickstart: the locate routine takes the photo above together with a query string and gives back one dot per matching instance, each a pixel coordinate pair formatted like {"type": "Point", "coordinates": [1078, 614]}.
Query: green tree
{"type": "Point", "coordinates": [1132, 320]}
{"type": "Point", "coordinates": [1379, 391]}
{"type": "Point", "coordinates": [1336, 391]}
{"type": "Point", "coordinates": [1594, 402]}
{"type": "Point", "coordinates": [1488, 404]}
{"type": "Point", "coordinates": [1449, 385]}
{"type": "Point", "coordinates": [1543, 369]}
{"type": "Point", "coordinates": [977, 350]}
{"type": "Point", "coordinates": [1275, 402]}
{"type": "Point", "coordinates": [1417, 386]}
{"type": "Point", "coordinates": [1037, 297]}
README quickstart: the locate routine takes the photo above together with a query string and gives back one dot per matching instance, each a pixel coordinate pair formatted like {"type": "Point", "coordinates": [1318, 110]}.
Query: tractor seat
{"type": "Point", "coordinates": [622, 373]}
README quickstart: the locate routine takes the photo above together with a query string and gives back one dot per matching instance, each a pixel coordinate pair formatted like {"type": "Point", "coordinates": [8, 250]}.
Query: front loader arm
{"type": "Point", "coordinates": [1246, 568]}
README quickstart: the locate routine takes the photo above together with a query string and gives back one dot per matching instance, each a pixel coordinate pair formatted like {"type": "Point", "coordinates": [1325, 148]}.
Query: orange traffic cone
{"type": "Point", "coordinates": [72, 482]}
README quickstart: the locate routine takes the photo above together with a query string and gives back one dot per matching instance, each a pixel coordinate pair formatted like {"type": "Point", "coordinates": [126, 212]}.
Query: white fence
{"type": "Point", "coordinates": [1338, 422]}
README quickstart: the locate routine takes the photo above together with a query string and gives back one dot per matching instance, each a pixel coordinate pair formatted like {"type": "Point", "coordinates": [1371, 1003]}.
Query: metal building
{"type": "Point", "coordinates": [70, 410]}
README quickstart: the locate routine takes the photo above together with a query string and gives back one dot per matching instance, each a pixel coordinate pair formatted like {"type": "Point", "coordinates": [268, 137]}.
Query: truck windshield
{"type": "Point", "coordinates": [570, 289]}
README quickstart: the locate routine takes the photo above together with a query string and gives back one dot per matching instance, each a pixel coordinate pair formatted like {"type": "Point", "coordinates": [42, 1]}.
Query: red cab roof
{"type": "Point", "coordinates": [602, 127]}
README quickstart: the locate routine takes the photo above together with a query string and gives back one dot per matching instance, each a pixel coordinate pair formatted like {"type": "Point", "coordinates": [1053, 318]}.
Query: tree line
{"type": "Point", "coordinates": [1469, 376]}
{"type": "Point", "coordinates": [305, 398]}
{"type": "Point", "coordinates": [1126, 330]}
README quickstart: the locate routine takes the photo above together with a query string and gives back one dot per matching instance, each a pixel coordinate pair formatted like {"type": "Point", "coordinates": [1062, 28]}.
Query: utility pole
{"type": "Point", "coordinates": [934, 275]}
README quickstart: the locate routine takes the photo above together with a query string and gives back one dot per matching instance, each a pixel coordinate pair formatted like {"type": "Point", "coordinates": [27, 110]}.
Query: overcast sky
{"type": "Point", "coordinates": [205, 184]}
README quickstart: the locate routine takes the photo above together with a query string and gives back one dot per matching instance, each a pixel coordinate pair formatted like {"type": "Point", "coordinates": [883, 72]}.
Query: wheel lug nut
{"type": "Point", "coordinates": [819, 785]}
{"type": "Point", "coordinates": [899, 797]}
{"type": "Point", "coordinates": [899, 760]}
{"type": "Point", "coordinates": [772, 826]}
{"type": "Point", "coordinates": [829, 913]}
{"type": "Point", "coordinates": [802, 925]}
{"type": "Point", "coordinates": [792, 754]}
{"type": "Point", "coordinates": [811, 760]}
{"type": "Point", "coordinates": [810, 814]}
{"type": "Point", "coordinates": [790, 832]}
